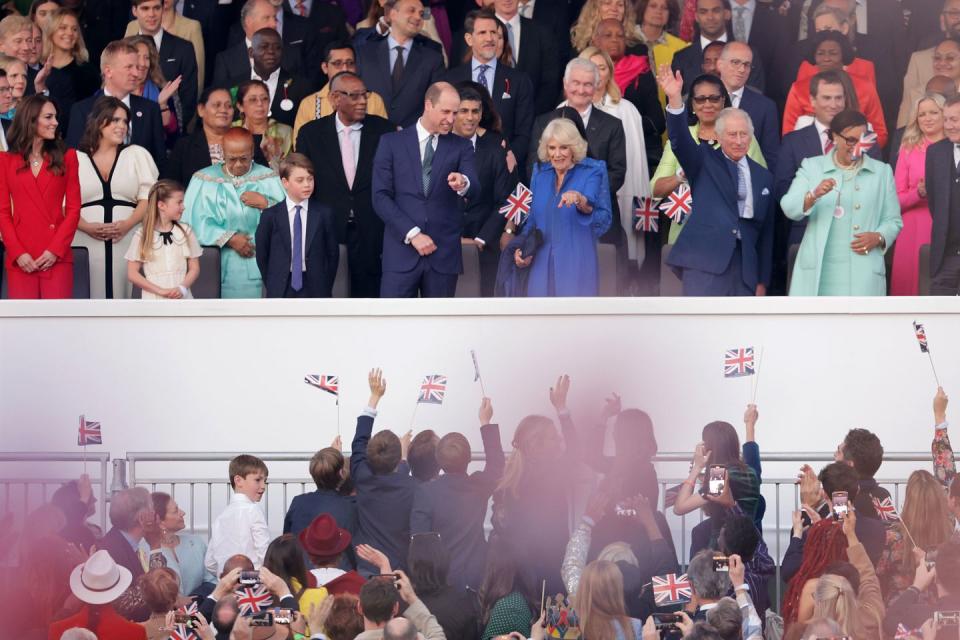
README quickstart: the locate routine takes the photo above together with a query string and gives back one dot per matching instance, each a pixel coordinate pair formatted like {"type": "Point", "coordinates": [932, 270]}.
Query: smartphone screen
{"type": "Point", "coordinates": [717, 480]}
{"type": "Point", "coordinates": [840, 507]}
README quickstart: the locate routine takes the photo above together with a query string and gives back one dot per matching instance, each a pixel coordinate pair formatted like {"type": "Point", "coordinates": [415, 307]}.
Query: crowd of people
{"type": "Point", "coordinates": [283, 132]}
{"type": "Point", "coordinates": [394, 544]}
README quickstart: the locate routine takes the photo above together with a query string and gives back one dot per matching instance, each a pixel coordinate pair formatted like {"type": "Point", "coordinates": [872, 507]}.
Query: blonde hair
{"type": "Point", "coordinates": [611, 90]}
{"type": "Point", "coordinates": [912, 136]}
{"type": "Point", "coordinates": [8, 61]}
{"type": "Point", "coordinates": [925, 513]}
{"type": "Point", "coordinates": [565, 133]}
{"type": "Point", "coordinates": [161, 191]}
{"type": "Point", "coordinates": [619, 552]}
{"type": "Point", "coordinates": [599, 602]}
{"type": "Point", "coordinates": [530, 433]}
{"type": "Point", "coordinates": [581, 33]}
{"type": "Point", "coordinates": [79, 51]}
{"type": "Point", "coordinates": [834, 599]}
{"type": "Point", "coordinates": [15, 24]}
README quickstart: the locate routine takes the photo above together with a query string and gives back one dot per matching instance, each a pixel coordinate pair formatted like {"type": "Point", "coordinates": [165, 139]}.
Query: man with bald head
{"type": "Point", "coordinates": [223, 204]}
{"type": "Point", "coordinates": [733, 67]}
{"type": "Point", "coordinates": [730, 252]}
{"type": "Point", "coordinates": [420, 177]}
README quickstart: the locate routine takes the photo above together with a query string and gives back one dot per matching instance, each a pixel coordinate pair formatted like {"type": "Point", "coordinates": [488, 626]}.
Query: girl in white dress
{"type": "Point", "coordinates": [165, 247]}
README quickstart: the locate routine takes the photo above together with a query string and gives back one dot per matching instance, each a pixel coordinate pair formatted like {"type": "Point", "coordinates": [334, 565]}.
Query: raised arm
{"type": "Point", "coordinates": [358, 455]}
{"type": "Point", "coordinates": [751, 451]}
{"type": "Point", "coordinates": [944, 467]}
{"type": "Point", "coordinates": [684, 146]}
{"type": "Point", "coordinates": [495, 461]}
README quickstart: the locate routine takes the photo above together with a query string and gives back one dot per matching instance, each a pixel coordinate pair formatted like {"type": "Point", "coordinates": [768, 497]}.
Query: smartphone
{"type": "Point", "coordinates": [249, 577]}
{"type": "Point", "coordinates": [283, 616]}
{"type": "Point", "coordinates": [186, 619]}
{"type": "Point", "coordinates": [840, 507]}
{"type": "Point", "coordinates": [666, 619]}
{"type": "Point", "coordinates": [946, 619]}
{"type": "Point", "coordinates": [262, 619]}
{"type": "Point", "coordinates": [721, 563]}
{"type": "Point", "coordinates": [717, 480]}
{"type": "Point", "coordinates": [930, 559]}
{"type": "Point", "coordinates": [623, 511]}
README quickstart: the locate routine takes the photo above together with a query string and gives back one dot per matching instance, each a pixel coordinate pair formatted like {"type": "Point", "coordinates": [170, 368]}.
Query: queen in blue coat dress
{"type": "Point", "coordinates": [571, 209]}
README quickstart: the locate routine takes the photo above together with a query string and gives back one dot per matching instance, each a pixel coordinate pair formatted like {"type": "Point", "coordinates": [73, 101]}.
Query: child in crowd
{"type": "Point", "coordinates": [165, 247]}
{"type": "Point", "coordinates": [242, 527]}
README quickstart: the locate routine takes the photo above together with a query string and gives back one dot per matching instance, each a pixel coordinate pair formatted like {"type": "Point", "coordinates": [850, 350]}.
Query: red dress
{"type": "Point", "coordinates": [112, 625]}
{"type": "Point", "coordinates": [39, 214]}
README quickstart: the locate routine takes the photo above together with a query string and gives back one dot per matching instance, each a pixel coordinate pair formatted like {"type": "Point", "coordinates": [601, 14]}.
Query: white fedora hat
{"type": "Point", "coordinates": [99, 580]}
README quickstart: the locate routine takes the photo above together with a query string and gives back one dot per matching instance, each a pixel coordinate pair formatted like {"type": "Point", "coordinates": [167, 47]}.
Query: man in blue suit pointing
{"type": "Point", "coordinates": [420, 176]}
{"type": "Point", "coordinates": [726, 247]}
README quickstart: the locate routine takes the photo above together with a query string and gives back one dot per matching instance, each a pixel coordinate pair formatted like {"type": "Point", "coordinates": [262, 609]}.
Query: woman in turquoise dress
{"type": "Point", "coordinates": [853, 216]}
{"type": "Point", "coordinates": [184, 552]}
{"type": "Point", "coordinates": [571, 209]}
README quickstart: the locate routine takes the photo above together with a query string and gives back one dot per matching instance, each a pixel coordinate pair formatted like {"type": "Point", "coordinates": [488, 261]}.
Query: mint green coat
{"type": "Point", "coordinates": [870, 204]}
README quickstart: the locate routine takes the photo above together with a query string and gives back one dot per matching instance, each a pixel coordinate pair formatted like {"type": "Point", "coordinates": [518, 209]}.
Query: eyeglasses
{"type": "Point", "coordinates": [340, 64]}
{"type": "Point", "coordinates": [356, 95]}
{"type": "Point", "coordinates": [746, 64]}
{"type": "Point", "coordinates": [850, 140]}
{"type": "Point", "coordinates": [712, 99]}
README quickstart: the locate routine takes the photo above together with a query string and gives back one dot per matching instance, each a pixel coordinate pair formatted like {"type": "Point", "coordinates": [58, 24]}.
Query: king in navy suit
{"type": "Point", "coordinates": [730, 249]}
{"type": "Point", "coordinates": [420, 175]}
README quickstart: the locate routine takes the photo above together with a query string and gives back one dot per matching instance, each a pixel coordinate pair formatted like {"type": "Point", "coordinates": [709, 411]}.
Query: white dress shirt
{"type": "Point", "coordinates": [157, 37]}
{"type": "Point", "coordinates": [735, 97]}
{"type": "Point", "coordinates": [750, 9]}
{"type": "Point", "coordinates": [527, 8]}
{"type": "Point", "coordinates": [513, 26]}
{"type": "Point", "coordinates": [291, 213]}
{"type": "Point", "coordinates": [584, 115]}
{"type": "Point", "coordinates": [241, 528]}
{"type": "Point", "coordinates": [307, 4]}
{"type": "Point", "coordinates": [822, 132]}
{"type": "Point", "coordinates": [354, 136]}
{"type": "Point", "coordinates": [272, 80]}
{"type": "Point", "coordinates": [704, 42]}
{"type": "Point", "coordinates": [956, 154]}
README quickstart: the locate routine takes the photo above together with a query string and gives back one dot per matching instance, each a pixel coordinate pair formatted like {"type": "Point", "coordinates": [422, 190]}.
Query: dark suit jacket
{"type": "Point", "coordinates": [399, 200]}
{"type": "Point", "coordinates": [481, 215]}
{"type": "Point", "coordinates": [766, 124]}
{"type": "Point", "coordinates": [383, 501]}
{"type": "Point", "coordinates": [767, 39]}
{"type": "Point", "coordinates": [554, 17]}
{"type": "Point", "coordinates": [307, 506]}
{"type": "Point", "coordinates": [716, 221]}
{"type": "Point", "coordinates": [215, 20]}
{"type": "Point", "coordinates": [455, 506]}
{"type": "Point", "coordinates": [274, 248]}
{"type": "Point", "coordinates": [871, 532]}
{"type": "Point", "coordinates": [605, 141]}
{"type": "Point", "coordinates": [144, 118]}
{"type": "Point", "coordinates": [423, 67]}
{"type": "Point", "coordinates": [689, 62]}
{"type": "Point", "coordinates": [318, 141]}
{"type": "Point", "coordinates": [513, 98]}
{"type": "Point", "coordinates": [120, 550]}
{"type": "Point", "coordinates": [301, 51]}
{"type": "Point", "coordinates": [939, 163]}
{"type": "Point", "coordinates": [189, 155]}
{"type": "Point", "coordinates": [291, 87]}
{"type": "Point", "coordinates": [177, 58]}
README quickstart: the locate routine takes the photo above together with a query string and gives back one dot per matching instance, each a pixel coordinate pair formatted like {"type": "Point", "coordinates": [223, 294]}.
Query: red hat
{"type": "Point", "coordinates": [323, 538]}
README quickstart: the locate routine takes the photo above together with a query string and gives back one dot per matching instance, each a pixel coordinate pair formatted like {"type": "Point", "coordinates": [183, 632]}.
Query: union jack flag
{"type": "Point", "coordinates": [885, 509]}
{"type": "Point", "coordinates": [181, 632]}
{"type": "Point", "coordinates": [867, 140]}
{"type": "Point", "coordinates": [678, 204]}
{"type": "Point", "coordinates": [190, 609]}
{"type": "Point", "coordinates": [89, 433]}
{"type": "Point", "coordinates": [738, 362]}
{"type": "Point", "coordinates": [921, 337]}
{"type": "Point", "coordinates": [646, 215]}
{"type": "Point", "coordinates": [905, 634]}
{"type": "Point", "coordinates": [330, 384]}
{"type": "Point", "coordinates": [253, 599]}
{"type": "Point", "coordinates": [671, 589]}
{"type": "Point", "coordinates": [518, 204]}
{"type": "Point", "coordinates": [432, 390]}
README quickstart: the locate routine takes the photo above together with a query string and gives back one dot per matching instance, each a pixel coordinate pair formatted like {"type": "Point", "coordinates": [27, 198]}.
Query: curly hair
{"type": "Point", "coordinates": [826, 543]}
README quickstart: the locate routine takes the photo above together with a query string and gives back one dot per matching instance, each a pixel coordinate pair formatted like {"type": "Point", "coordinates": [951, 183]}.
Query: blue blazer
{"type": "Point", "coordinates": [423, 67]}
{"type": "Point", "coordinates": [766, 124]}
{"type": "Point", "coordinates": [399, 200]}
{"type": "Point", "coordinates": [274, 247]}
{"type": "Point", "coordinates": [714, 225]}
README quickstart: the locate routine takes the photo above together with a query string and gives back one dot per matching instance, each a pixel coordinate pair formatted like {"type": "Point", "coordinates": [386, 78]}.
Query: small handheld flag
{"type": "Point", "coordinates": [671, 589]}
{"type": "Point", "coordinates": [738, 362]}
{"type": "Point", "coordinates": [866, 142]}
{"type": "Point", "coordinates": [253, 599]}
{"type": "Point", "coordinates": [476, 372]}
{"type": "Point", "coordinates": [885, 509]}
{"type": "Point", "coordinates": [181, 632]}
{"type": "Point", "coordinates": [330, 384]}
{"type": "Point", "coordinates": [432, 390]}
{"type": "Point", "coordinates": [518, 204]}
{"type": "Point", "coordinates": [89, 433]}
{"type": "Point", "coordinates": [921, 334]}
{"type": "Point", "coordinates": [646, 214]}
{"type": "Point", "coordinates": [678, 204]}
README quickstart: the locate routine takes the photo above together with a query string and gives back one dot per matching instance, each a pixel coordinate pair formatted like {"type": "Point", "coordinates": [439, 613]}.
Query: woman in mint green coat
{"type": "Point", "coordinates": [853, 217]}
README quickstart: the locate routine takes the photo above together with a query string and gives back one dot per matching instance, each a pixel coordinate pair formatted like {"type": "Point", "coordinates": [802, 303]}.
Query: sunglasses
{"type": "Point", "coordinates": [712, 99]}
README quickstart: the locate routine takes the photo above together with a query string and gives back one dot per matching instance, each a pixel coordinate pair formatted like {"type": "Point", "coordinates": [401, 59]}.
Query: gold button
{"type": "Point", "coordinates": [856, 227]}
{"type": "Point", "coordinates": [856, 206]}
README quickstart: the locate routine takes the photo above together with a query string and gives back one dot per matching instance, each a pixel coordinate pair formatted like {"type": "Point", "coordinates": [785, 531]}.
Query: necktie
{"type": "Point", "coordinates": [526, 9]}
{"type": "Point", "coordinates": [482, 76]}
{"type": "Point", "coordinates": [741, 190]}
{"type": "Point", "coordinates": [804, 18]}
{"type": "Point", "coordinates": [427, 164]}
{"type": "Point", "coordinates": [296, 270]}
{"type": "Point", "coordinates": [740, 24]}
{"type": "Point", "coordinates": [346, 152]}
{"type": "Point", "coordinates": [828, 142]}
{"type": "Point", "coordinates": [301, 8]}
{"type": "Point", "coordinates": [513, 42]}
{"type": "Point", "coordinates": [397, 75]}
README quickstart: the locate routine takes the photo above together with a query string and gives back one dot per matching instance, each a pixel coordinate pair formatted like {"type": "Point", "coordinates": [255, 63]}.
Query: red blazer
{"type": "Point", "coordinates": [112, 625]}
{"type": "Point", "coordinates": [38, 214]}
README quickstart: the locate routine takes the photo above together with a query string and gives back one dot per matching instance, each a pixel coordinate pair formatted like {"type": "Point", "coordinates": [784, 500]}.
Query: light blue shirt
{"type": "Point", "coordinates": [489, 73]}
{"type": "Point", "coordinates": [749, 9]}
{"type": "Point", "coordinates": [134, 544]}
{"type": "Point", "coordinates": [393, 44]}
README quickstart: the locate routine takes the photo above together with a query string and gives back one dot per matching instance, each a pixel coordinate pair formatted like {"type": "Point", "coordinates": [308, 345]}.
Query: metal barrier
{"type": "Point", "coordinates": [30, 499]}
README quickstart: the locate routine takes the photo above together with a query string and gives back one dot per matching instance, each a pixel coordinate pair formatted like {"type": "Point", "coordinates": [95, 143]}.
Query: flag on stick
{"type": "Point", "coordinates": [921, 334]}
{"type": "Point", "coordinates": [671, 589]}
{"type": "Point", "coordinates": [518, 205]}
{"type": "Point", "coordinates": [738, 362]}
{"type": "Point", "coordinates": [330, 384]}
{"type": "Point", "coordinates": [89, 433]}
{"type": "Point", "coordinates": [867, 140]}
{"type": "Point", "coordinates": [432, 390]}
{"type": "Point", "coordinates": [646, 214]}
{"type": "Point", "coordinates": [678, 204]}
{"type": "Point", "coordinates": [476, 372]}
{"type": "Point", "coordinates": [253, 599]}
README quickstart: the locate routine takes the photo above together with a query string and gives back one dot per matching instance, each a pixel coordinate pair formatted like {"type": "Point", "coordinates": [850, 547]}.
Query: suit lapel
{"type": "Point", "coordinates": [438, 158]}
{"type": "Point", "coordinates": [499, 87]}
{"type": "Point", "coordinates": [332, 137]}
{"type": "Point", "coordinates": [313, 223]}
{"type": "Point", "coordinates": [412, 64]}
{"type": "Point", "coordinates": [368, 148]}
{"type": "Point", "coordinates": [413, 151]}
{"type": "Point", "coordinates": [383, 66]}
{"type": "Point", "coordinates": [284, 225]}
{"type": "Point", "coordinates": [35, 186]}
{"type": "Point", "coordinates": [724, 177]}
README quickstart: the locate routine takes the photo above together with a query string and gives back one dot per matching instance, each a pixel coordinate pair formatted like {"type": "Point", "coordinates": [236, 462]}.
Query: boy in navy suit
{"type": "Point", "coordinates": [297, 249]}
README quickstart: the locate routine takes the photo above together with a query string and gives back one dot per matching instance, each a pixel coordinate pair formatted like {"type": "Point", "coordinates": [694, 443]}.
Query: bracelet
{"type": "Point", "coordinates": [164, 110]}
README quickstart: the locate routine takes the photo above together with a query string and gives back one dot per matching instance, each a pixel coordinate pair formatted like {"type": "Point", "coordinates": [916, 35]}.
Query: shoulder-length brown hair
{"type": "Point", "coordinates": [101, 113]}
{"type": "Point", "coordinates": [155, 73]}
{"type": "Point", "coordinates": [24, 130]}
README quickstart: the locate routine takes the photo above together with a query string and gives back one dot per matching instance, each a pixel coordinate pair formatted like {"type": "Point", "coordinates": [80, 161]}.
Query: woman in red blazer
{"type": "Point", "coordinates": [39, 204]}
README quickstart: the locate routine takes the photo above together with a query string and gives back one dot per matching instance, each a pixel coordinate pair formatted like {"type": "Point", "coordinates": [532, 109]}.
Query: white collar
{"type": "Point", "coordinates": [393, 44]}
{"type": "Point", "coordinates": [422, 133]}
{"type": "Point", "coordinates": [291, 204]}
{"type": "Point", "coordinates": [706, 41]}
{"type": "Point", "coordinates": [272, 78]}
{"type": "Point", "coordinates": [515, 20]}
{"type": "Point", "coordinates": [474, 139]}
{"type": "Point", "coordinates": [238, 497]}
{"type": "Point", "coordinates": [341, 127]}
{"type": "Point", "coordinates": [820, 128]}
{"type": "Point", "coordinates": [125, 99]}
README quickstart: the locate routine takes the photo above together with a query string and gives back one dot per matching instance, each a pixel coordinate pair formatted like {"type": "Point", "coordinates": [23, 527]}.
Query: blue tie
{"type": "Point", "coordinates": [296, 273]}
{"type": "Point", "coordinates": [482, 76]}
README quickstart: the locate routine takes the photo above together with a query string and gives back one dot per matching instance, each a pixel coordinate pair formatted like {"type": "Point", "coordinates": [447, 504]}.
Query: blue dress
{"type": "Point", "coordinates": [187, 561]}
{"type": "Point", "coordinates": [566, 263]}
